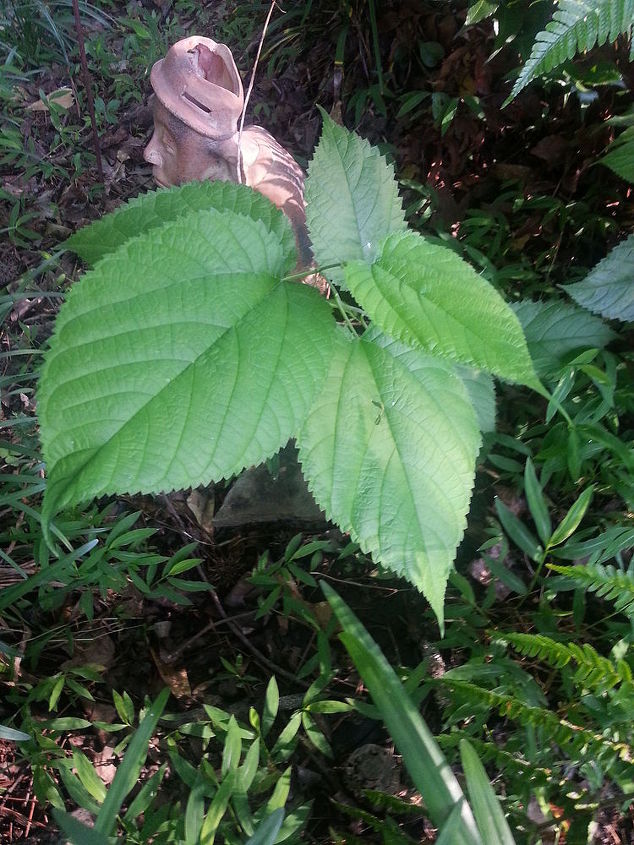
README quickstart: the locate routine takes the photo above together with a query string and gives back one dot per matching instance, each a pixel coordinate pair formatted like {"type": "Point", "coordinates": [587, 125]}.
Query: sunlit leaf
{"type": "Point", "coordinates": [389, 450]}
{"type": "Point", "coordinates": [428, 297]}
{"type": "Point", "coordinates": [352, 200]}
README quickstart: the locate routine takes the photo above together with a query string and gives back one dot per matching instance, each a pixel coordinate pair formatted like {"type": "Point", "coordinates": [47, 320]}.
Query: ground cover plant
{"type": "Point", "coordinates": [171, 681]}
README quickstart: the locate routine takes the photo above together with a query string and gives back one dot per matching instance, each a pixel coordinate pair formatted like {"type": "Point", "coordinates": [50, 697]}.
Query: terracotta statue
{"type": "Point", "coordinates": [197, 103]}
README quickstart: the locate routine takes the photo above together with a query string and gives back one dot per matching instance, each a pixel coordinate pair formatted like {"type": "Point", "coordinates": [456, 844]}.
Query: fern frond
{"type": "Point", "coordinates": [505, 761]}
{"type": "Point", "coordinates": [574, 739]}
{"type": "Point", "coordinates": [610, 583]}
{"type": "Point", "coordinates": [594, 672]}
{"type": "Point", "coordinates": [577, 25]}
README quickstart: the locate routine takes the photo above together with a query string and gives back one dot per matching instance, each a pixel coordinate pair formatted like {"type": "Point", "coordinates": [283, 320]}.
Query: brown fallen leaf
{"type": "Point", "coordinates": [176, 679]}
{"type": "Point", "coordinates": [62, 97]}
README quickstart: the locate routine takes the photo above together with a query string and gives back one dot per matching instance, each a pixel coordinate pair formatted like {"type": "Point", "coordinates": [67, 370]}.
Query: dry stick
{"type": "Point", "coordinates": [250, 88]}
{"type": "Point", "coordinates": [86, 79]}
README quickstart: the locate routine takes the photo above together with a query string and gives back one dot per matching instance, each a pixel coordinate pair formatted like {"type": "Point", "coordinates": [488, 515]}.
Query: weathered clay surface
{"type": "Point", "coordinates": [258, 497]}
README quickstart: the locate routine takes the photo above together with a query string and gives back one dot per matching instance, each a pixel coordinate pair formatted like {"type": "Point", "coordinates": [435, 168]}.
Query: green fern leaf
{"type": "Point", "coordinates": [600, 549]}
{"type": "Point", "coordinates": [610, 583]}
{"type": "Point", "coordinates": [577, 26]}
{"type": "Point", "coordinates": [568, 736]}
{"type": "Point", "coordinates": [594, 671]}
{"type": "Point", "coordinates": [505, 761]}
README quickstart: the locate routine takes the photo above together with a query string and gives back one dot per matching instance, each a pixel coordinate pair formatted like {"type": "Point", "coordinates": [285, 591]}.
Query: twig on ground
{"type": "Point", "coordinates": [261, 658]}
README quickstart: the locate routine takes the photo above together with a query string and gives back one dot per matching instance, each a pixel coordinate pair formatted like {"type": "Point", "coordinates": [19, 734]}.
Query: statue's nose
{"type": "Point", "coordinates": [151, 153]}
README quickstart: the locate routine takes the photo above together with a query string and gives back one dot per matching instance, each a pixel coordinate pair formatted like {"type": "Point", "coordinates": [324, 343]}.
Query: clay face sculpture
{"type": "Point", "coordinates": [198, 100]}
{"type": "Point", "coordinates": [178, 154]}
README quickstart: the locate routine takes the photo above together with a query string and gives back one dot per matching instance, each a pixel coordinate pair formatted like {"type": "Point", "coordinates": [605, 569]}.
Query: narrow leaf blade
{"type": "Point", "coordinates": [423, 758]}
{"type": "Point", "coordinates": [491, 820]}
{"type": "Point", "coordinates": [77, 832]}
{"type": "Point", "coordinates": [517, 531]}
{"type": "Point", "coordinates": [267, 830]}
{"type": "Point", "coordinates": [570, 522]}
{"type": "Point", "coordinates": [128, 772]}
{"type": "Point", "coordinates": [536, 502]}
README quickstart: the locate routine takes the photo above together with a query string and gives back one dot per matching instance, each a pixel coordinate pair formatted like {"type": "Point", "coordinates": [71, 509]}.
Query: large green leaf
{"type": "Point", "coordinates": [180, 358]}
{"type": "Point", "coordinates": [388, 451]}
{"type": "Point", "coordinates": [608, 289]}
{"type": "Point", "coordinates": [426, 296]}
{"type": "Point", "coordinates": [156, 208]}
{"type": "Point", "coordinates": [481, 390]}
{"type": "Point", "coordinates": [554, 330]}
{"type": "Point", "coordinates": [352, 199]}
{"type": "Point", "coordinates": [577, 25]}
{"type": "Point", "coordinates": [620, 155]}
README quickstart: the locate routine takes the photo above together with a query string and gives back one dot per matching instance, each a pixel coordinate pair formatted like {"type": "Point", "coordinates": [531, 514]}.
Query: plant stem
{"type": "Point", "coordinates": [342, 310]}
{"type": "Point", "coordinates": [86, 78]}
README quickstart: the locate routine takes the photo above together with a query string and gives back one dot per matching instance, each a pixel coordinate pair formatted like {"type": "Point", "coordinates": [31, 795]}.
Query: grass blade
{"type": "Point", "coordinates": [569, 523]}
{"type": "Point", "coordinates": [486, 807]}
{"type": "Point", "coordinates": [536, 502]}
{"type": "Point", "coordinates": [266, 834]}
{"type": "Point", "coordinates": [78, 833]}
{"type": "Point", "coordinates": [128, 772]}
{"type": "Point", "coordinates": [517, 531]}
{"type": "Point", "coordinates": [423, 758]}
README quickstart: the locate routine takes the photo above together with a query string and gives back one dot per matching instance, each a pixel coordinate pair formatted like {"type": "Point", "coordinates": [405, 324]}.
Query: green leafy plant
{"type": "Point", "coordinates": [190, 352]}
{"type": "Point", "coordinates": [577, 25]}
{"type": "Point", "coordinates": [123, 783]}
{"type": "Point", "coordinates": [620, 155]}
{"type": "Point", "coordinates": [607, 289]}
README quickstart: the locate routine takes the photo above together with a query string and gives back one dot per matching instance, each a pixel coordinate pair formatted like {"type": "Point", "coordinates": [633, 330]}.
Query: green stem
{"type": "Point", "coordinates": [342, 310]}
{"type": "Point", "coordinates": [310, 271]}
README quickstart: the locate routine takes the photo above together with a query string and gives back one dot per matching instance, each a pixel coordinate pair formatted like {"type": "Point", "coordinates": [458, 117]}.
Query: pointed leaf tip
{"type": "Point", "coordinates": [388, 450]}
{"type": "Point", "coordinates": [428, 297]}
{"type": "Point", "coordinates": [352, 199]}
